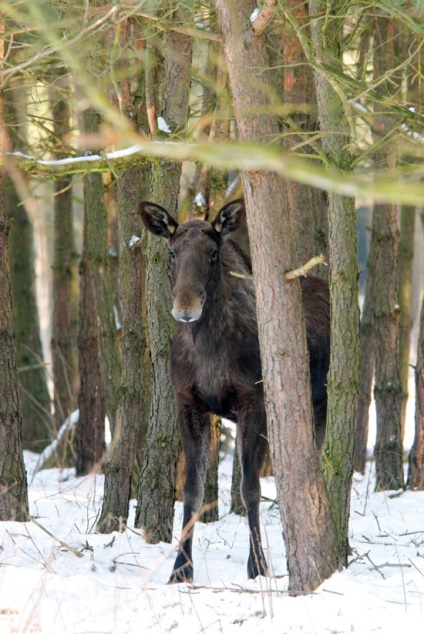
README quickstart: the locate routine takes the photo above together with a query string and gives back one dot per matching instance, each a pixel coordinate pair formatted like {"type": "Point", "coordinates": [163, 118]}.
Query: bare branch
{"type": "Point", "coordinates": [50, 50]}
{"type": "Point", "coordinates": [264, 17]}
{"type": "Point", "coordinates": [72, 550]}
{"type": "Point", "coordinates": [304, 270]}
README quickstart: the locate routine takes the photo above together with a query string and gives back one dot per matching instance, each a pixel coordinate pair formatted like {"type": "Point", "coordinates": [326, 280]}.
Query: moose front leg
{"type": "Point", "coordinates": [252, 447]}
{"type": "Point", "coordinates": [195, 431]}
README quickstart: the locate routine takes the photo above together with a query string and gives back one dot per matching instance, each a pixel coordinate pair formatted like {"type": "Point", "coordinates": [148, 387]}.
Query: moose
{"type": "Point", "coordinates": [215, 359]}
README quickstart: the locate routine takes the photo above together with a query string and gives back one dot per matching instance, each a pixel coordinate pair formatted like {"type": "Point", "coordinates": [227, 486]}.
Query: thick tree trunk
{"type": "Point", "coordinates": [13, 485]}
{"type": "Point", "coordinates": [387, 390]}
{"type": "Point", "coordinates": [156, 494]}
{"type": "Point", "coordinates": [405, 292]}
{"type": "Point", "coordinates": [307, 523]}
{"type": "Point", "coordinates": [416, 458]}
{"type": "Point", "coordinates": [343, 376]}
{"type": "Point", "coordinates": [134, 391]}
{"type": "Point", "coordinates": [65, 293]}
{"type": "Point", "coordinates": [34, 395]}
{"type": "Point", "coordinates": [90, 429]}
{"type": "Point", "coordinates": [100, 363]}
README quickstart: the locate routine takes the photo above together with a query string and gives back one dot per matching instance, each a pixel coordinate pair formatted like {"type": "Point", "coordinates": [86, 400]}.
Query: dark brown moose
{"type": "Point", "coordinates": [215, 360]}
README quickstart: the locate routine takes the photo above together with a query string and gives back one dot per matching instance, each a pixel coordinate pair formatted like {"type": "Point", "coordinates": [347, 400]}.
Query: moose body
{"type": "Point", "coordinates": [215, 359]}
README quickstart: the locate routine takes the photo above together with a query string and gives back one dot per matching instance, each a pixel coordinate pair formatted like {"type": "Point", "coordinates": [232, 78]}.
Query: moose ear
{"type": "Point", "coordinates": [157, 220]}
{"type": "Point", "coordinates": [230, 217]}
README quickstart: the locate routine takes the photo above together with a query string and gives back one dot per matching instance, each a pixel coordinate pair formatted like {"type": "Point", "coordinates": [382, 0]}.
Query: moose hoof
{"type": "Point", "coordinates": [181, 574]}
{"type": "Point", "coordinates": [256, 567]}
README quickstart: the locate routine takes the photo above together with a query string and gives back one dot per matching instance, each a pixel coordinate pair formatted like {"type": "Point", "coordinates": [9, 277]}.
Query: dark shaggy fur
{"type": "Point", "coordinates": [215, 359]}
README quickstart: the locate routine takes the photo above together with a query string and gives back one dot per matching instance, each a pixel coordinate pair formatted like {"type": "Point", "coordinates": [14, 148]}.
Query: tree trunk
{"type": "Point", "coordinates": [13, 485]}
{"type": "Point", "coordinates": [307, 523]}
{"type": "Point", "coordinates": [237, 505]}
{"type": "Point", "coordinates": [34, 395]}
{"type": "Point", "coordinates": [298, 90]}
{"type": "Point", "coordinates": [366, 367]}
{"type": "Point", "coordinates": [135, 388]}
{"type": "Point", "coordinates": [90, 429]}
{"type": "Point", "coordinates": [416, 458]}
{"type": "Point", "coordinates": [387, 390]}
{"type": "Point", "coordinates": [210, 500]}
{"type": "Point", "coordinates": [90, 432]}
{"type": "Point", "coordinates": [212, 183]}
{"type": "Point", "coordinates": [99, 357]}
{"type": "Point", "coordinates": [405, 269]}
{"type": "Point", "coordinates": [134, 392]}
{"type": "Point", "coordinates": [65, 293]}
{"type": "Point", "coordinates": [343, 376]}
{"type": "Point", "coordinates": [156, 494]}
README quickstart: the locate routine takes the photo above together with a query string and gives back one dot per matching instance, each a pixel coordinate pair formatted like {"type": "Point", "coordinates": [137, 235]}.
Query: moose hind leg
{"type": "Point", "coordinates": [195, 429]}
{"type": "Point", "coordinates": [252, 447]}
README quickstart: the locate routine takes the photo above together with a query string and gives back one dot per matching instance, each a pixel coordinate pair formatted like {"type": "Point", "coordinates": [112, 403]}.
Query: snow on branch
{"type": "Point", "coordinates": [51, 449]}
{"type": "Point", "coordinates": [261, 18]}
{"type": "Point", "coordinates": [382, 187]}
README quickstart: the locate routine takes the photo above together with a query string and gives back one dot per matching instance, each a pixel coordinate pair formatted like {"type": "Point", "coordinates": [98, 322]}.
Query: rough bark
{"type": "Point", "coordinates": [385, 235]}
{"type": "Point", "coordinates": [343, 376]}
{"type": "Point", "coordinates": [405, 292]}
{"type": "Point", "coordinates": [33, 391]}
{"type": "Point", "coordinates": [210, 500]}
{"type": "Point", "coordinates": [366, 368]}
{"type": "Point", "coordinates": [121, 465]}
{"type": "Point", "coordinates": [99, 360]}
{"type": "Point", "coordinates": [134, 391]}
{"type": "Point", "coordinates": [307, 523]}
{"type": "Point", "coordinates": [416, 458]}
{"type": "Point", "coordinates": [13, 485]}
{"type": "Point", "coordinates": [65, 293]}
{"type": "Point", "coordinates": [156, 494]}
{"type": "Point", "coordinates": [306, 207]}
{"type": "Point", "coordinates": [212, 183]}
{"type": "Point", "coordinates": [237, 505]}
{"type": "Point", "coordinates": [90, 432]}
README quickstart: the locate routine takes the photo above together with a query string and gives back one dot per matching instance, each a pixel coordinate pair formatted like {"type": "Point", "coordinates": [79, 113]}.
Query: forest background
{"type": "Point", "coordinates": [319, 105]}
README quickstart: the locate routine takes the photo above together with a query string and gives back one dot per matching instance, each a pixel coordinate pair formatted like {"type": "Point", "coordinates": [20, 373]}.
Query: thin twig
{"type": "Point", "coordinates": [242, 276]}
{"type": "Point", "coordinates": [74, 551]}
{"type": "Point", "coordinates": [373, 565]}
{"type": "Point", "coordinates": [50, 49]}
{"type": "Point", "coordinates": [304, 270]}
{"type": "Point", "coordinates": [416, 568]}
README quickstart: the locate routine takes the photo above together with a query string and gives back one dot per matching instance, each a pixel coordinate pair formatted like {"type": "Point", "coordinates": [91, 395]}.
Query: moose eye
{"type": "Point", "coordinates": [213, 255]}
{"type": "Point", "coordinates": [172, 256]}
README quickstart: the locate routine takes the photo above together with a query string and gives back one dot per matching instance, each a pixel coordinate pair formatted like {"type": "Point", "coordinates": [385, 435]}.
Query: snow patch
{"type": "Point", "coordinates": [163, 126]}
{"type": "Point", "coordinates": [119, 585]}
{"type": "Point", "coordinates": [254, 15]}
{"type": "Point", "coordinates": [133, 241]}
{"type": "Point", "coordinates": [200, 200]}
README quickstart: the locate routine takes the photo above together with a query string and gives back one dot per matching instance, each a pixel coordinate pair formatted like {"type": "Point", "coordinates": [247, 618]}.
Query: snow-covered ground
{"type": "Point", "coordinates": [118, 584]}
